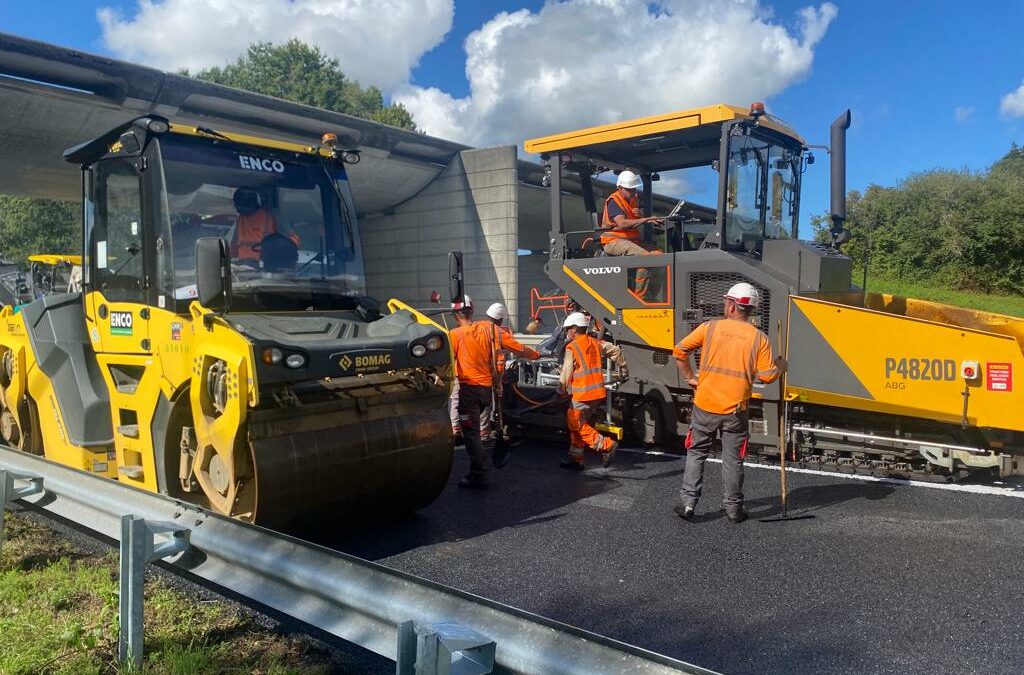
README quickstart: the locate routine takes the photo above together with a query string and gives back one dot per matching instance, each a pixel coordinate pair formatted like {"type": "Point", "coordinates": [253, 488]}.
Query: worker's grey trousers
{"type": "Point", "coordinates": [485, 415]}
{"type": "Point", "coordinates": [703, 428]}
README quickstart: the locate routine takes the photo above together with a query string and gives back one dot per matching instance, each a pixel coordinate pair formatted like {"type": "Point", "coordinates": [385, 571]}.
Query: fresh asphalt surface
{"type": "Point", "coordinates": [884, 579]}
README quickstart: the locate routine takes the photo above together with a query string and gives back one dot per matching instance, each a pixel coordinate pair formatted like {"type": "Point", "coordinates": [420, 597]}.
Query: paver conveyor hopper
{"type": "Point", "coordinates": [878, 384]}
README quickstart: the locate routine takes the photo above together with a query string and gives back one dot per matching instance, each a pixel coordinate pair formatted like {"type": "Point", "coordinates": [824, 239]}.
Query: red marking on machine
{"type": "Point", "coordinates": [539, 303]}
{"type": "Point", "coordinates": [999, 376]}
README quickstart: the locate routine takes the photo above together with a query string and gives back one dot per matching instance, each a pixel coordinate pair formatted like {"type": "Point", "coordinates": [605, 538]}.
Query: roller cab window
{"type": "Point", "coordinates": [288, 219]}
{"type": "Point", "coordinates": [115, 231]}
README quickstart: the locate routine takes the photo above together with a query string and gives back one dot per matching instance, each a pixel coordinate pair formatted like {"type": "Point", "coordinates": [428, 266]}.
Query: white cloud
{"type": "Point", "coordinates": [377, 41]}
{"type": "Point", "coordinates": [581, 62]}
{"type": "Point", "coordinates": [963, 113]}
{"type": "Point", "coordinates": [1012, 104]}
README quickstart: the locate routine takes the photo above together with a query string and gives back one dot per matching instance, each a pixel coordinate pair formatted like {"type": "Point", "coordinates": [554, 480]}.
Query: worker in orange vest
{"type": "Point", "coordinates": [463, 312]}
{"type": "Point", "coordinates": [474, 347]}
{"type": "Point", "coordinates": [496, 315]}
{"type": "Point", "coordinates": [254, 222]}
{"type": "Point", "coordinates": [733, 354]}
{"type": "Point", "coordinates": [582, 375]}
{"type": "Point", "coordinates": [622, 217]}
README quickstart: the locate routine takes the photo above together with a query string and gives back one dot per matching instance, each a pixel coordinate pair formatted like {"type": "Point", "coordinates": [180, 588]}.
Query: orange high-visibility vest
{"type": "Point", "coordinates": [733, 354]}
{"type": "Point", "coordinates": [587, 382]}
{"type": "Point", "coordinates": [630, 209]}
{"type": "Point", "coordinates": [502, 342]}
{"type": "Point", "coordinates": [250, 230]}
{"type": "Point", "coordinates": [474, 352]}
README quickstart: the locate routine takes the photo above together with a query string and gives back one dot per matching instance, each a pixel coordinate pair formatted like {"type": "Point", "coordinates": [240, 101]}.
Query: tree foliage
{"type": "Point", "coordinates": [953, 228]}
{"type": "Point", "coordinates": [29, 225]}
{"type": "Point", "coordinates": [298, 72]}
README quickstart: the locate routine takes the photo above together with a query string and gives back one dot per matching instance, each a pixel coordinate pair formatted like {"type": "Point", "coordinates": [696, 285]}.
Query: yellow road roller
{"type": "Point", "coordinates": [222, 348]}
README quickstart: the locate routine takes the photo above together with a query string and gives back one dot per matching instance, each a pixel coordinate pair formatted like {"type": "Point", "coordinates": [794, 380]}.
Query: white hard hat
{"type": "Point", "coordinates": [628, 179]}
{"type": "Point", "coordinates": [466, 303]}
{"type": "Point", "coordinates": [744, 294]}
{"type": "Point", "coordinates": [576, 320]}
{"type": "Point", "coordinates": [497, 311]}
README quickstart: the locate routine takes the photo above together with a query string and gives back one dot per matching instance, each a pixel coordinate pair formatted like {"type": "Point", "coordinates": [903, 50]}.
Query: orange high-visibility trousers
{"type": "Point", "coordinates": [581, 434]}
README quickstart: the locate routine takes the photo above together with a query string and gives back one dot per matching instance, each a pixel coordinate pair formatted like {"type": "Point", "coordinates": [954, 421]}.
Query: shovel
{"type": "Point", "coordinates": [502, 448]}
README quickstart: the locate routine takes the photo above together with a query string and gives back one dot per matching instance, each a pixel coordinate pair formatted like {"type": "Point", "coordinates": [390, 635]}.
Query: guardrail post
{"type": "Point", "coordinates": [9, 491]}
{"type": "Point", "coordinates": [138, 547]}
{"type": "Point", "coordinates": [445, 648]}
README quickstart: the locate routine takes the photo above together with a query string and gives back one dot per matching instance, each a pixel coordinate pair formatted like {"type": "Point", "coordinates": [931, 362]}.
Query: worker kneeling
{"type": "Point", "coordinates": [733, 354]}
{"type": "Point", "coordinates": [621, 218]}
{"type": "Point", "coordinates": [582, 375]}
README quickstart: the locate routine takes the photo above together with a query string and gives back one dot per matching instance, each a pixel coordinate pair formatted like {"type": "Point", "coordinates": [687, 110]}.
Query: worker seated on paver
{"type": "Point", "coordinates": [622, 218]}
{"type": "Point", "coordinates": [255, 222]}
{"type": "Point", "coordinates": [582, 375]}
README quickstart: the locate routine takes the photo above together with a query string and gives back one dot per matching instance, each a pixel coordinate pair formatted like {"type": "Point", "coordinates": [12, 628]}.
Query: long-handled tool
{"type": "Point", "coordinates": [783, 443]}
{"type": "Point", "coordinates": [502, 448]}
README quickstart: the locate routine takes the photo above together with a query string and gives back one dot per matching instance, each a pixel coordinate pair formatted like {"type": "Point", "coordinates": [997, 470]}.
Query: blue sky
{"type": "Point", "coordinates": [904, 68]}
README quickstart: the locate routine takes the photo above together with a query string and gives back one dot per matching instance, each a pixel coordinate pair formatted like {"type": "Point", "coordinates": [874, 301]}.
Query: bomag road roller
{"type": "Point", "coordinates": [223, 349]}
{"type": "Point", "coordinates": [877, 384]}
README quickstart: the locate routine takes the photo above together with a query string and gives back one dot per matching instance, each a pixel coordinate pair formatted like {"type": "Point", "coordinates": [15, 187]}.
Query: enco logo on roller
{"type": "Point", "coordinates": [261, 164]}
{"type": "Point", "coordinates": [602, 270]}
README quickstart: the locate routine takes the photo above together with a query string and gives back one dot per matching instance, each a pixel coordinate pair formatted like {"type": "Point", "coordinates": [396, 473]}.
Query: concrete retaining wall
{"type": "Point", "coordinates": [471, 206]}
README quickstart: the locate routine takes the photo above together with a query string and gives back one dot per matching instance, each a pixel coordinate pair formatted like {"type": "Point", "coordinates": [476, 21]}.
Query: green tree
{"type": "Point", "coordinates": [957, 229]}
{"type": "Point", "coordinates": [29, 225]}
{"type": "Point", "coordinates": [820, 226]}
{"type": "Point", "coordinates": [301, 73]}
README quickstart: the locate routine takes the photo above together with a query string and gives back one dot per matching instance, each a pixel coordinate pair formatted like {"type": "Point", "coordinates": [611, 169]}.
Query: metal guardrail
{"type": "Point", "coordinates": [356, 600]}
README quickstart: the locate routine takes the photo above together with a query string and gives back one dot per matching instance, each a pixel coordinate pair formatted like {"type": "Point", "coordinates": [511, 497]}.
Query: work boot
{"type": "Point", "coordinates": [609, 454]}
{"type": "Point", "coordinates": [571, 464]}
{"type": "Point", "coordinates": [736, 515]}
{"type": "Point", "coordinates": [685, 511]}
{"type": "Point", "coordinates": [474, 483]}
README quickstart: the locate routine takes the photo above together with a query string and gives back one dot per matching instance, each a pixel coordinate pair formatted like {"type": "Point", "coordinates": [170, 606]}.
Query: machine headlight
{"type": "Point", "coordinates": [418, 350]}
{"type": "Point", "coordinates": [272, 356]}
{"type": "Point", "coordinates": [434, 343]}
{"type": "Point", "coordinates": [295, 361]}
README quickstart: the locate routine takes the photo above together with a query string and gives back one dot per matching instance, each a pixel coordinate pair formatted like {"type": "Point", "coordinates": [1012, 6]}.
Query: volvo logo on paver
{"type": "Point", "coordinates": [363, 361]}
{"type": "Point", "coordinates": [261, 164]}
{"type": "Point", "coordinates": [602, 270]}
{"type": "Point", "coordinates": [121, 323]}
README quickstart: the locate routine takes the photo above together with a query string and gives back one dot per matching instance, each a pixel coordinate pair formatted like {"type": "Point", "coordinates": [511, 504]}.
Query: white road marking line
{"type": "Point", "coordinates": [1011, 491]}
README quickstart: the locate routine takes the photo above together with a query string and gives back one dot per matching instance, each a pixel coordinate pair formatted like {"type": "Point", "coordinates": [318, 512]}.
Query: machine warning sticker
{"type": "Point", "coordinates": [999, 376]}
{"type": "Point", "coordinates": [176, 331]}
{"type": "Point", "coordinates": [121, 323]}
{"type": "Point", "coordinates": [363, 361]}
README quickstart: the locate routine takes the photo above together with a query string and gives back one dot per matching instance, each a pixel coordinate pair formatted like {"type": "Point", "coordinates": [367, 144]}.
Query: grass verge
{"type": "Point", "coordinates": [58, 615]}
{"type": "Point", "coordinates": [1000, 304]}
